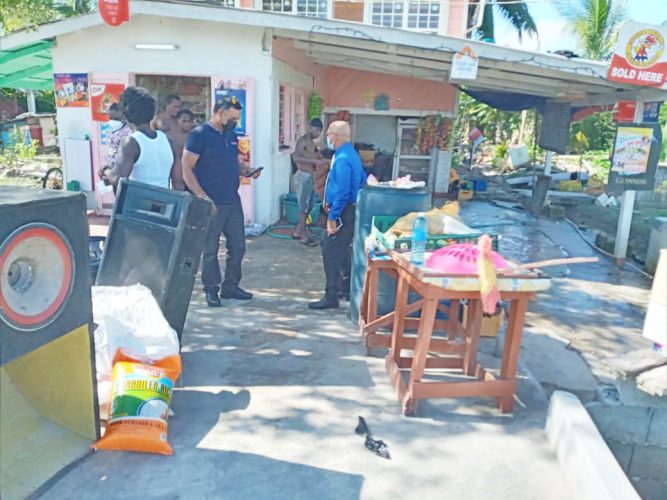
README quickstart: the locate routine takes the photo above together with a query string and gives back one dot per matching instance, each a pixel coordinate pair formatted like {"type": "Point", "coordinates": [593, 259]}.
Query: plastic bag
{"type": "Point", "coordinates": [139, 406]}
{"type": "Point", "coordinates": [128, 317]}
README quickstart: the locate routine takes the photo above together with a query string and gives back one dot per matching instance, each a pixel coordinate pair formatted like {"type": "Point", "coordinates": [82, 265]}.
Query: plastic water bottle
{"type": "Point", "coordinates": [419, 235]}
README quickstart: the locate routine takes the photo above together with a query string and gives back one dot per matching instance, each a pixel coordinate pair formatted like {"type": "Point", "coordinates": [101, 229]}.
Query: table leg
{"type": "Point", "coordinates": [453, 320]}
{"type": "Point", "coordinates": [512, 348]}
{"type": "Point", "coordinates": [399, 317]}
{"type": "Point", "coordinates": [363, 308]}
{"type": "Point", "coordinates": [474, 327]}
{"type": "Point", "coordinates": [424, 334]}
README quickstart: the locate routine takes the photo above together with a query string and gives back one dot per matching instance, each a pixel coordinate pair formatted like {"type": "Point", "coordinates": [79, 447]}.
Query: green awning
{"type": "Point", "coordinates": [27, 67]}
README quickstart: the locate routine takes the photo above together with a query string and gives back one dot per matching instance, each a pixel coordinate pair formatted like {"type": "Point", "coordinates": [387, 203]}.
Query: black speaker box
{"type": "Point", "coordinates": [155, 238]}
{"type": "Point", "coordinates": [48, 400]}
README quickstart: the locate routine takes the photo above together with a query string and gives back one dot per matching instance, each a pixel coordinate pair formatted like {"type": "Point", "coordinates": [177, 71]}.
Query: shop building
{"type": "Point", "coordinates": [385, 72]}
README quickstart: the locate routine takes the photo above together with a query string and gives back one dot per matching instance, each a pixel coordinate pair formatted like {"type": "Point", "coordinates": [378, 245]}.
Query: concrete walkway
{"type": "Point", "coordinates": [270, 398]}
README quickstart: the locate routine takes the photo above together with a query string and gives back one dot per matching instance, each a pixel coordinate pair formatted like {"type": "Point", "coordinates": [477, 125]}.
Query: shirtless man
{"type": "Point", "coordinates": [307, 158]}
{"type": "Point", "coordinates": [179, 136]}
{"type": "Point", "coordinates": [167, 120]}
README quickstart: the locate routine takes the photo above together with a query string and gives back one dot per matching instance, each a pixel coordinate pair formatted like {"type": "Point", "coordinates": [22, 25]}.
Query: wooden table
{"type": "Point", "coordinates": [461, 342]}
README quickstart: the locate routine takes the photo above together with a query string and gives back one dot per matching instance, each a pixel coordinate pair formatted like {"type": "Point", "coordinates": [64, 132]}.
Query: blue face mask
{"type": "Point", "coordinates": [330, 144]}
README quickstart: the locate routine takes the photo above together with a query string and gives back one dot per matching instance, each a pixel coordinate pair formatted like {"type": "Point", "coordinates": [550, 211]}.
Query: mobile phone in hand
{"type": "Point", "coordinates": [253, 172]}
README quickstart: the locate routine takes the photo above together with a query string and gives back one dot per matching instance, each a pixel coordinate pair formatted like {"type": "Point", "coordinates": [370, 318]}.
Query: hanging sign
{"type": "Point", "coordinates": [464, 64]}
{"type": "Point", "coordinates": [114, 12]}
{"type": "Point", "coordinates": [635, 157]}
{"type": "Point", "coordinates": [640, 55]}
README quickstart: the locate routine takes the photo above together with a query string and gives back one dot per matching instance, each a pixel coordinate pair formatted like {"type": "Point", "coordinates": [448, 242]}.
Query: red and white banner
{"type": "Point", "coordinates": [114, 12]}
{"type": "Point", "coordinates": [640, 55]}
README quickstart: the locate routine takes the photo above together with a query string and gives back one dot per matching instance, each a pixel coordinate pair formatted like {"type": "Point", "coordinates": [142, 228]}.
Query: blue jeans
{"type": "Point", "coordinates": [228, 221]}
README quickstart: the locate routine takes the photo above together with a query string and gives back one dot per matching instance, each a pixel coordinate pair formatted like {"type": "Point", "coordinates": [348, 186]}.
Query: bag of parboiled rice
{"type": "Point", "coordinates": [139, 405]}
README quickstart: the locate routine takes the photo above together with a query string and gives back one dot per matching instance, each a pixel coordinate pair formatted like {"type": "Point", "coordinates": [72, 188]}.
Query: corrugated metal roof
{"type": "Point", "coordinates": [28, 67]}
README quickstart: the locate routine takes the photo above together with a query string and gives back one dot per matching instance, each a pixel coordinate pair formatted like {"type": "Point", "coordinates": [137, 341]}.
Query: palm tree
{"type": "Point", "coordinates": [595, 23]}
{"type": "Point", "coordinates": [516, 12]}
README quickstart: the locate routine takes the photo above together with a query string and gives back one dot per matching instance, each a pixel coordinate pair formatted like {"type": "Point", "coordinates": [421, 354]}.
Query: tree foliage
{"type": "Point", "coordinates": [595, 23]}
{"type": "Point", "coordinates": [516, 13]}
{"type": "Point", "coordinates": [28, 14]}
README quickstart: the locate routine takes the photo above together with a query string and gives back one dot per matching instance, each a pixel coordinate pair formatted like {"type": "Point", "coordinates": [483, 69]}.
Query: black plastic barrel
{"type": "Point", "coordinates": [379, 201]}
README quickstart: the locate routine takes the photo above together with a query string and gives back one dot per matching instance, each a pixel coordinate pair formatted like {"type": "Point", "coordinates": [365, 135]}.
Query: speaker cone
{"type": "Point", "coordinates": [36, 276]}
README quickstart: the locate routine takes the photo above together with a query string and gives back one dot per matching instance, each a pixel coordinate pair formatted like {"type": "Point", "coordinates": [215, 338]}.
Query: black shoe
{"type": "Point", "coordinates": [324, 303]}
{"type": "Point", "coordinates": [212, 298]}
{"type": "Point", "coordinates": [237, 294]}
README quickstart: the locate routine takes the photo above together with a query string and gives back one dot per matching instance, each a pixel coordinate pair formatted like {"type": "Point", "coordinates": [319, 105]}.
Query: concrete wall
{"type": "Point", "coordinates": [204, 49]}
{"type": "Point", "coordinates": [347, 88]}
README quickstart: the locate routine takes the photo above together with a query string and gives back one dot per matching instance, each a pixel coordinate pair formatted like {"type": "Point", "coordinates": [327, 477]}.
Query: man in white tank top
{"type": "Point", "coordinates": [145, 155]}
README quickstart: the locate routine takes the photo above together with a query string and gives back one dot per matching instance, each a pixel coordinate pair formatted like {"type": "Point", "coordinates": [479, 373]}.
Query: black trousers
{"type": "Point", "coordinates": [230, 222]}
{"type": "Point", "coordinates": [336, 256]}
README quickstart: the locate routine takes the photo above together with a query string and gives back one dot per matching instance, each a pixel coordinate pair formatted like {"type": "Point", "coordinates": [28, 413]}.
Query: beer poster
{"type": "Point", "coordinates": [635, 156]}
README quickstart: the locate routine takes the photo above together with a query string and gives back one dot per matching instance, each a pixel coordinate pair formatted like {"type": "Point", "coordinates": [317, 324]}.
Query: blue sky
{"type": "Point", "coordinates": [551, 26]}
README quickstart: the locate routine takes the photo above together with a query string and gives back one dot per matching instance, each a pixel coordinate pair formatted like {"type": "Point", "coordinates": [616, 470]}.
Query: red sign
{"type": "Point", "coordinates": [640, 56]}
{"type": "Point", "coordinates": [624, 111]}
{"type": "Point", "coordinates": [102, 96]}
{"type": "Point", "coordinates": [114, 12]}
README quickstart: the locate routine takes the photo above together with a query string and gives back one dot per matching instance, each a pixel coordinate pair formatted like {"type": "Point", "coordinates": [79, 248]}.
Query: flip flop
{"type": "Point", "coordinates": [309, 242]}
{"type": "Point", "coordinates": [296, 237]}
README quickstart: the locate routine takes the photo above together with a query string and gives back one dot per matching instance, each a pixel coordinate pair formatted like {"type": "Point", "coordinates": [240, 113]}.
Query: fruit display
{"type": "Point", "coordinates": [432, 132]}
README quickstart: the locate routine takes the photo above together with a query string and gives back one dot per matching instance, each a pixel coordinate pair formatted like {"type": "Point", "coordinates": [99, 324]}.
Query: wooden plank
{"type": "Point", "coordinates": [473, 389]}
{"type": "Point", "coordinates": [423, 340]}
{"type": "Point", "coordinates": [473, 329]}
{"type": "Point", "coordinates": [376, 340]}
{"type": "Point", "coordinates": [399, 320]}
{"type": "Point", "coordinates": [450, 363]}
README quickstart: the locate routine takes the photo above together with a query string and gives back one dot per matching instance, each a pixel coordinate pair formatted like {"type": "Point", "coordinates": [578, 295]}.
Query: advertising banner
{"type": "Point", "coordinates": [71, 90]}
{"type": "Point", "coordinates": [640, 56]}
{"type": "Point", "coordinates": [102, 96]}
{"type": "Point", "coordinates": [635, 157]}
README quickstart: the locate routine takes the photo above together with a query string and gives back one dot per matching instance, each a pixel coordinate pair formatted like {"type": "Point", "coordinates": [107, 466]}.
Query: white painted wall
{"type": "Point", "coordinates": [204, 49]}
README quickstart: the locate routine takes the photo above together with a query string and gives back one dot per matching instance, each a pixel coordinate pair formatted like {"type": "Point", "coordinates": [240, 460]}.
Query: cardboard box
{"type": "Point", "coordinates": [466, 194]}
{"type": "Point", "coordinates": [490, 325]}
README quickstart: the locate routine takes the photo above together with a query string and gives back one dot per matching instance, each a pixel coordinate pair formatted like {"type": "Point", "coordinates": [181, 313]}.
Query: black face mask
{"type": "Point", "coordinates": [230, 125]}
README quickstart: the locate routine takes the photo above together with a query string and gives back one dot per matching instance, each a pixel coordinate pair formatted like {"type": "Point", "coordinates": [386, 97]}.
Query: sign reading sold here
{"type": "Point", "coordinates": [640, 56]}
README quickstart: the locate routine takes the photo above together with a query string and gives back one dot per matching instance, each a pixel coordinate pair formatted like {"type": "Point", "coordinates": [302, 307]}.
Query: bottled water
{"type": "Point", "coordinates": [419, 235]}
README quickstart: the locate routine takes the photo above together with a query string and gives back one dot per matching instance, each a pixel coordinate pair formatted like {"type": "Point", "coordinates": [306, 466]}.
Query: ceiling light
{"type": "Point", "coordinates": [155, 46]}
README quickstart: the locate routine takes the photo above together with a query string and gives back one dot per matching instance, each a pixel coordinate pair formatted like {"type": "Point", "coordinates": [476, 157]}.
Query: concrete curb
{"type": "Point", "coordinates": [588, 464]}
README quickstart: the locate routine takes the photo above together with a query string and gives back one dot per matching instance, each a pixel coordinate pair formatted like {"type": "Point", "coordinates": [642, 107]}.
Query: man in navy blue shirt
{"type": "Point", "coordinates": [346, 178]}
{"type": "Point", "coordinates": [211, 170]}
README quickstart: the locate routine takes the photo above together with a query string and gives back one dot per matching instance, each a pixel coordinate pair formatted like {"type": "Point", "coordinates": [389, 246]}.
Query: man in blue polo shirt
{"type": "Point", "coordinates": [211, 170]}
{"type": "Point", "coordinates": [346, 178]}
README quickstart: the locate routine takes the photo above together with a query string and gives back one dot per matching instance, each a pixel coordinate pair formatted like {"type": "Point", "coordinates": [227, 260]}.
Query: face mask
{"type": "Point", "coordinates": [230, 125]}
{"type": "Point", "coordinates": [330, 144]}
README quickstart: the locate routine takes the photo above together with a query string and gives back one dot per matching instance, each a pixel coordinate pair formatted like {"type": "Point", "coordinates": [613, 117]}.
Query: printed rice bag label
{"type": "Point", "coordinates": [139, 405]}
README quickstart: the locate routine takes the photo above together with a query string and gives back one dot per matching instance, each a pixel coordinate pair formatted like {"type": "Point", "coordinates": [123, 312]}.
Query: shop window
{"type": "Point", "coordinates": [291, 116]}
{"type": "Point", "coordinates": [419, 15]}
{"type": "Point", "coordinates": [313, 8]}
